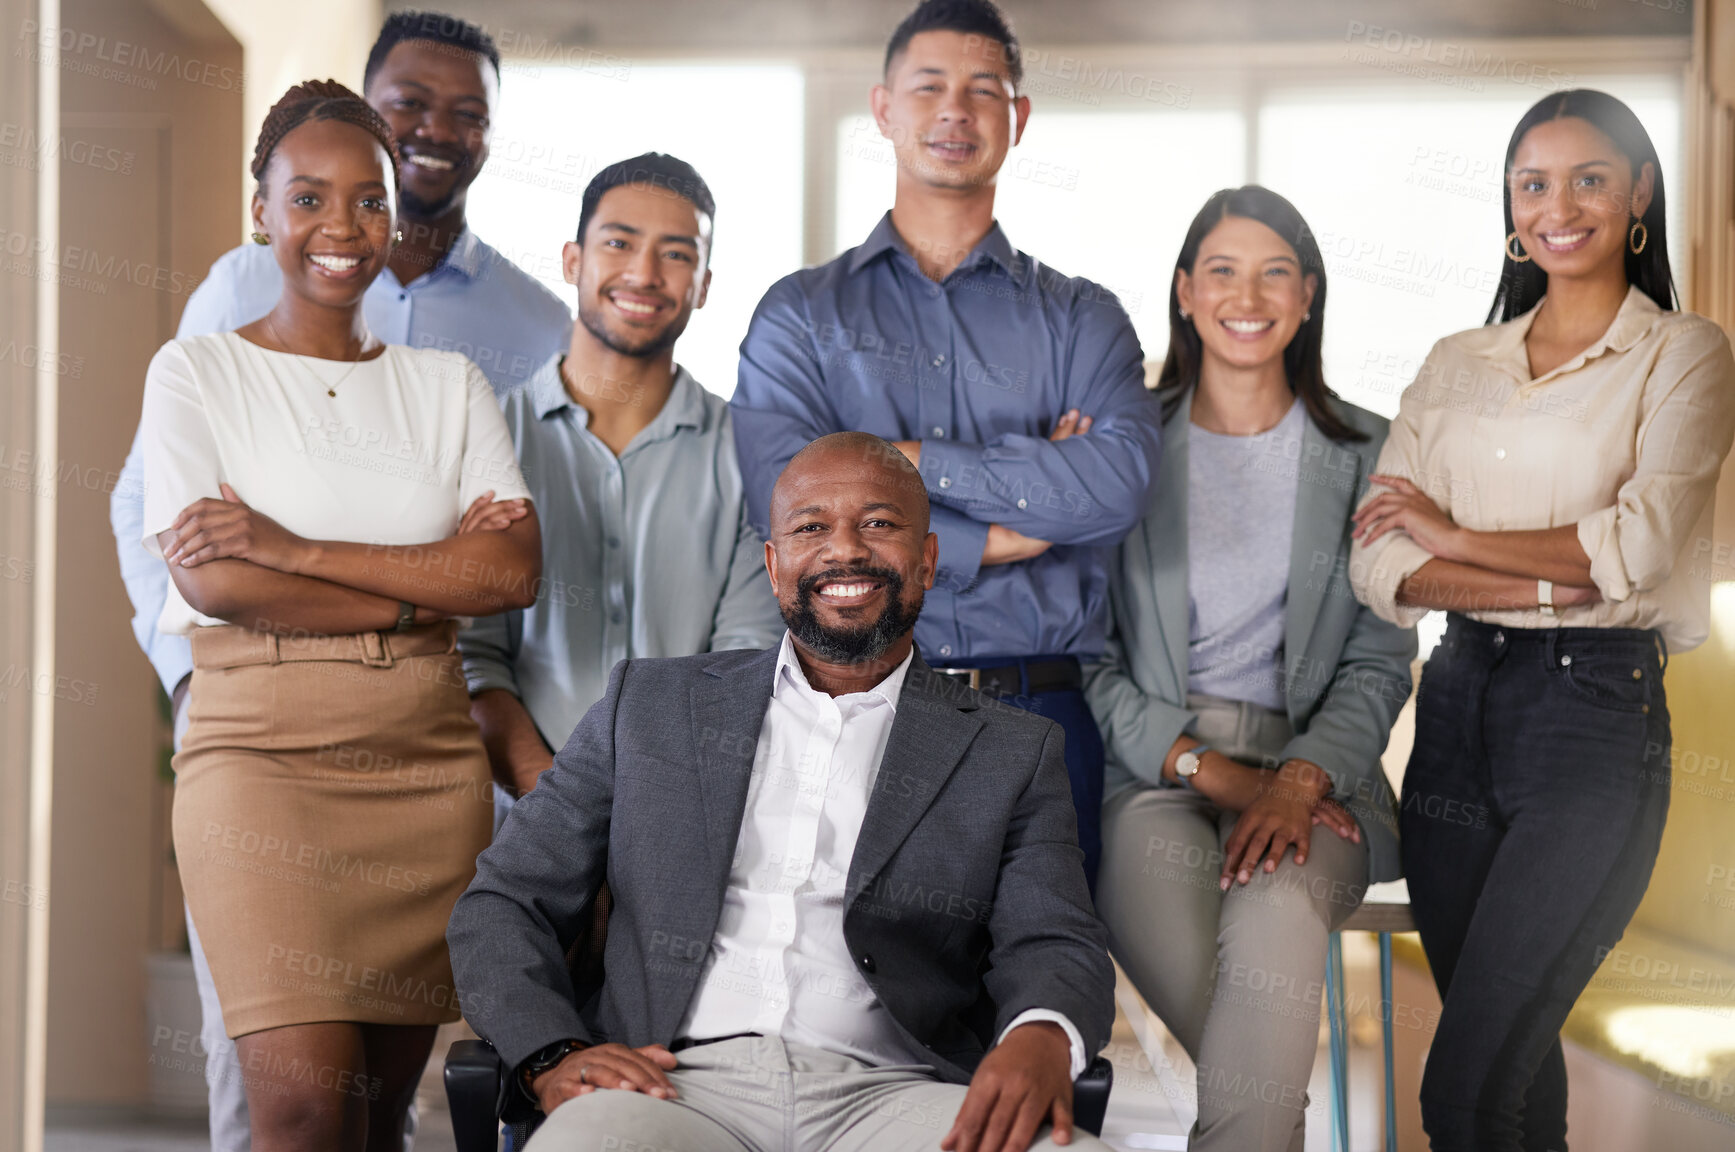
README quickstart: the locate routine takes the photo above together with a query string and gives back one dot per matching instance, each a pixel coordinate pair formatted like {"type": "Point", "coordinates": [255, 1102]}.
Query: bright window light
{"type": "Point", "coordinates": [557, 127]}
{"type": "Point", "coordinates": [1688, 1041]}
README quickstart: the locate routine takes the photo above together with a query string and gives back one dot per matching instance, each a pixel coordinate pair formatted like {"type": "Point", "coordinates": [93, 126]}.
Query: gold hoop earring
{"type": "Point", "coordinates": [261, 238]}
{"type": "Point", "coordinates": [1642, 234]}
{"type": "Point", "coordinates": [1520, 256]}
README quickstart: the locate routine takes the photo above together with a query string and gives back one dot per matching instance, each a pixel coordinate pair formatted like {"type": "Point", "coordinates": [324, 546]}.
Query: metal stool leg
{"type": "Point", "coordinates": [1334, 997]}
{"type": "Point", "coordinates": [1386, 1019]}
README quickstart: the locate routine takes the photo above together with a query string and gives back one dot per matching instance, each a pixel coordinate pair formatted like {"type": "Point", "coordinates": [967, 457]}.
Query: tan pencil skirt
{"type": "Point", "coordinates": [331, 797]}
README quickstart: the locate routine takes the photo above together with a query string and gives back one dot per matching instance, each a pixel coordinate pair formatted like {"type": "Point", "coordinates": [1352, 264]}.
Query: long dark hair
{"type": "Point", "coordinates": [1301, 360]}
{"type": "Point", "coordinates": [1522, 285]}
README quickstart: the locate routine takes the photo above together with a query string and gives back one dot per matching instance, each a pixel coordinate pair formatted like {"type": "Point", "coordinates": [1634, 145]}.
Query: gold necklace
{"type": "Point", "coordinates": [330, 389]}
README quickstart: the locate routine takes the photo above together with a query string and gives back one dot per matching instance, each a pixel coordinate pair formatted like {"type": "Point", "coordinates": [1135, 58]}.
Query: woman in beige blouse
{"type": "Point", "coordinates": [1548, 482]}
{"type": "Point", "coordinates": [325, 504]}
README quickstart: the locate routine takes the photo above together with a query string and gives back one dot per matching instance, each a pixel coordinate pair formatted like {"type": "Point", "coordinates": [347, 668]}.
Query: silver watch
{"type": "Point", "coordinates": [1187, 763]}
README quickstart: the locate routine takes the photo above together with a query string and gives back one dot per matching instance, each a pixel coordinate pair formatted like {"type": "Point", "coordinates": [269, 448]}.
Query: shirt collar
{"type": "Point", "coordinates": [884, 238]}
{"type": "Point", "coordinates": [1504, 343]}
{"type": "Point", "coordinates": [548, 390]}
{"type": "Point", "coordinates": [790, 673]}
{"type": "Point", "coordinates": [467, 253]}
{"type": "Point", "coordinates": [685, 407]}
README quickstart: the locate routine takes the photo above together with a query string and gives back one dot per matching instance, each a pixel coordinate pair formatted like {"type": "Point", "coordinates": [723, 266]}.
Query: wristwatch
{"type": "Point", "coordinates": [544, 1059]}
{"type": "Point", "coordinates": [1187, 763]}
{"type": "Point", "coordinates": [406, 616]}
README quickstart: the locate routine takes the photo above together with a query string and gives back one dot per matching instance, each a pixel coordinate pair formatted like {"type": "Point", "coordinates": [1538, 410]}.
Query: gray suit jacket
{"type": "Point", "coordinates": [1347, 672]}
{"type": "Point", "coordinates": [965, 903]}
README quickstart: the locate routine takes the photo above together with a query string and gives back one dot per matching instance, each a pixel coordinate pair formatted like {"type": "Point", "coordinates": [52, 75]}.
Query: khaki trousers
{"type": "Point", "coordinates": [760, 1094]}
{"type": "Point", "coordinates": [1236, 976]}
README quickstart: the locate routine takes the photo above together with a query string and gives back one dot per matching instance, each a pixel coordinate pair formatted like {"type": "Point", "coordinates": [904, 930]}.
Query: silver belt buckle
{"type": "Point", "coordinates": [971, 676]}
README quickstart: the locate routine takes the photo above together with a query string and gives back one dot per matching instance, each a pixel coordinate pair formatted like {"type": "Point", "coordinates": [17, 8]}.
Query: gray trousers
{"type": "Point", "coordinates": [1236, 976]}
{"type": "Point", "coordinates": [760, 1094]}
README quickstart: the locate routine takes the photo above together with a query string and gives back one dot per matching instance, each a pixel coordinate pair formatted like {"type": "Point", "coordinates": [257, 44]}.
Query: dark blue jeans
{"type": "Point", "coordinates": [1533, 807]}
{"type": "Point", "coordinates": [1084, 752]}
{"type": "Point", "coordinates": [1084, 762]}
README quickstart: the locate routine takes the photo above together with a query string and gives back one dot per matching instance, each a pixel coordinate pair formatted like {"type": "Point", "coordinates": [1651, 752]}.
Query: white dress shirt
{"type": "Point", "coordinates": [1624, 440]}
{"type": "Point", "coordinates": [778, 964]}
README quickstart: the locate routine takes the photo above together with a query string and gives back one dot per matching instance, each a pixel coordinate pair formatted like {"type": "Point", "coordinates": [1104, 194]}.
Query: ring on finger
{"type": "Point", "coordinates": [582, 1069]}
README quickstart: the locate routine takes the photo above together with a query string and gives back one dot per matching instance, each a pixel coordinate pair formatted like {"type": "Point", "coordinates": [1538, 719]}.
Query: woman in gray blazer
{"type": "Point", "coordinates": [1245, 695]}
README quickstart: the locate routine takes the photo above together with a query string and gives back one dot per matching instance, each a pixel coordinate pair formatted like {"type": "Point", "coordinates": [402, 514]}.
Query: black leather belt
{"type": "Point", "coordinates": [1056, 675]}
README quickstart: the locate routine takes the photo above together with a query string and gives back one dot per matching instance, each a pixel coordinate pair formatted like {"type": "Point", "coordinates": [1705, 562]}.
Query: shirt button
{"type": "Point", "coordinates": [403, 295]}
{"type": "Point", "coordinates": [933, 289]}
{"type": "Point", "coordinates": [614, 541]}
{"type": "Point", "coordinates": [867, 962]}
{"type": "Point", "coordinates": [945, 649]}
{"type": "Point", "coordinates": [1023, 503]}
{"type": "Point", "coordinates": [1565, 661]}
{"type": "Point", "coordinates": [615, 616]}
{"type": "Point", "coordinates": [939, 361]}
{"type": "Point", "coordinates": [945, 481]}
{"type": "Point", "coordinates": [1499, 453]}
{"type": "Point", "coordinates": [939, 433]}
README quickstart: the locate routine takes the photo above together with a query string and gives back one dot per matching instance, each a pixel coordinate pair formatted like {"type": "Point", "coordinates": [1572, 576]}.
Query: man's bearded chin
{"type": "Point", "coordinates": [852, 645]}
{"type": "Point", "coordinates": [415, 208]}
{"type": "Point", "coordinates": [645, 349]}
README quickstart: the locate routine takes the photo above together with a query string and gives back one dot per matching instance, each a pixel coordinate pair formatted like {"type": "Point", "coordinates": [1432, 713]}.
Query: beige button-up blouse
{"type": "Point", "coordinates": [1625, 440]}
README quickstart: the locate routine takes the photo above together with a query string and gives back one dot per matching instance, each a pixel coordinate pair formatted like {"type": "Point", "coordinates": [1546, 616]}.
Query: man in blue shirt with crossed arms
{"type": "Point", "coordinates": [1016, 391]}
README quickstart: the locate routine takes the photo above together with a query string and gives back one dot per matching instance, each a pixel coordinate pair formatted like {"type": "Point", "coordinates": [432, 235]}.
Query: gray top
{"type": "Point", "coordinates": [649, 554]}
{"type": "Point", "coordinates": [1240, 521]}
{"type": "Point", "coordinates": [1346, 671]}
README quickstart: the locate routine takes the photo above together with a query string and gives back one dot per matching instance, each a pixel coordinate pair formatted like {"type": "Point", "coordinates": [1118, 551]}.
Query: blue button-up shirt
{"type": "Point", "coordinates": [648, 554]}
{"type": "Point", "coordinates": [979, 368]}
{"type": "Point", "coordinates": [476, 302]}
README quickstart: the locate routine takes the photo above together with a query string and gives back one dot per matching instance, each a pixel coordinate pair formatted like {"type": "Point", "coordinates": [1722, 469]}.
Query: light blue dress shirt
{"type": "Point", "coordinates": [648, 554]}
{"type": "Point", "coordinates": [476, 302]}
{"type": "Point", "coordinates": [979, 368]}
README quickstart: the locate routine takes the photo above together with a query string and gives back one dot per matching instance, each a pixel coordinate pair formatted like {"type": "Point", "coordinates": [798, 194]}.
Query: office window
{"type": "Point", "coordinates": [558, 126]}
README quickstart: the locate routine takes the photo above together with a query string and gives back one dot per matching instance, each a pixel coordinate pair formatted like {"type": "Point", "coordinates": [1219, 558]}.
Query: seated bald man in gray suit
{"type": "Point", "coordinates": [850, 910]}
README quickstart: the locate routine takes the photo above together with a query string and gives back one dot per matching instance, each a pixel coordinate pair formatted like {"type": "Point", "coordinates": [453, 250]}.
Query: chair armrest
{"type": "Point", "coordinates": [1090, 1095]}
{"type": "Point", "coordinates": [474, 1078]}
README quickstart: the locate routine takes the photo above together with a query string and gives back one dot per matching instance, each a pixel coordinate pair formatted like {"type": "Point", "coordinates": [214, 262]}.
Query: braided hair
{"type": "Point", "coordinates": [319, 100]}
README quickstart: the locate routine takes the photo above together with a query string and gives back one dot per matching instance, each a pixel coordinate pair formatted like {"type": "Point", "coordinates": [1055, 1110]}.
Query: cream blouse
{"type": "Point", "coordinates": [1625, 440]}
{"type": "Point", "coordinates": [410, 439]}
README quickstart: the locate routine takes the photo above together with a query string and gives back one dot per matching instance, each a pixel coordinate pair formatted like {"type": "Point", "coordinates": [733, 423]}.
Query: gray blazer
{"type": "Point", "coordinates": [1347, 672]}
{"type": "Point", "coordinates": [965, 903]}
